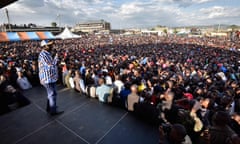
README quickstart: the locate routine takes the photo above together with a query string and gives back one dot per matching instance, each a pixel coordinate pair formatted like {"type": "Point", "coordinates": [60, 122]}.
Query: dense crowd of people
{"type": "Point", "coordinates": [189, 86]}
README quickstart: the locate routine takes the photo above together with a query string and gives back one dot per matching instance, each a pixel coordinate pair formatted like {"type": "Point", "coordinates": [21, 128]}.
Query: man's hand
{"type": "Point", "coordinates": [161, 133]}
{"type": "Point", "coordinates": [196, 106]}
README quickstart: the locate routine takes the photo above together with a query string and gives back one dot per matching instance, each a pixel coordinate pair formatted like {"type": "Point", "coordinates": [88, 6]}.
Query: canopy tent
{"type": "Point", "coordinates": [13, 36]}
{"type": "Point", "coordinates": [10, 36]}
{"type": "Point", "coordinates": [183, 32]}
{"type": "Point", "coordinates": [28, 36]}
{"type": "Point", "coordinates": [21, 36]}
{"type": "Point", "coordinates": [3, 36]}
{"type": "Point", "coordinates": [67, 34]}
{"type": "Point", "coordinates": [45, 35]}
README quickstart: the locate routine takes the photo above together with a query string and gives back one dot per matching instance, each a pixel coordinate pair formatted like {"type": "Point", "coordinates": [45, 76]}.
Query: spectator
{"type": "Point", "coordinates": [220, 131]}
{"type": "Point", "coordinates": [34, 79]}
{"type": "Point", "coordinates": [118, 84]}
{"type": "Point", "coordinates": [235, 123]}
{"type": "Point", "coordinates": [103, 91]}
{"type": "Point", "coordinates": [132, 98]}
{"type": "Point", "coordinates": [67, 78]}
{"type": "Point", "coordinates": [175, 134]}
{"type": "Point", "coordinates": [64, 72]}
{"type": "Point", "coordinates": [124, 94]}
{"type": "Point", "coordinates": [22, 81]}
{"type": "Point", "coordinates": [76, 80]}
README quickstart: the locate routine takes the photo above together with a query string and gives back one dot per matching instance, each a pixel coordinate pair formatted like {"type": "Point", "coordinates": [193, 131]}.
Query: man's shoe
{"type": "Point", "coordinates": [56, 113]}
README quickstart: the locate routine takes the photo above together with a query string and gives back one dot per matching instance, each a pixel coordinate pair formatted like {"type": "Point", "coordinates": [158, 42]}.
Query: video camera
{"type": "Point", "coordinates": [166, 128]}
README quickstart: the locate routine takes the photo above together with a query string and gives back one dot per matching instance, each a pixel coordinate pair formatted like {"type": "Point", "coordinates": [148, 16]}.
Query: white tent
{"type": "Point", "coordinates": [67, 34]}
{"type": "Point", "coordinates": [183, 31]}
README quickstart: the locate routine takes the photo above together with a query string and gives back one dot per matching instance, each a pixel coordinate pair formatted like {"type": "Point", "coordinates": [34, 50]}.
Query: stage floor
{"type": "Point", "coordinates": [85, 121]}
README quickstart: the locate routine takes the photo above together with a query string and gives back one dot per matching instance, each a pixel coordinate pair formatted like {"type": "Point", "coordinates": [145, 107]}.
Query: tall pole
{"type": "Point", "coordinates": [8, 19]}
{"type": "Point", "coordinates": [59, 19]}
{"type": "Point", "coordinates": [218, 27]}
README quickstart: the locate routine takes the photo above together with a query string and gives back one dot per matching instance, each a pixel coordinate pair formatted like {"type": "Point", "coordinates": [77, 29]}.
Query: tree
{"type": "Point", "coordinates": [54, 24]}
{"type": "Point", "coordinates": [165, 31]}
{"type": "Point", "coordinates": [153, 29]}
{"type": "Point", "coordinates": [233, 27]}
{"type": "Point", "coordinates": [31, 25]}
{"type": "Point", "coordinates": [175, 31]}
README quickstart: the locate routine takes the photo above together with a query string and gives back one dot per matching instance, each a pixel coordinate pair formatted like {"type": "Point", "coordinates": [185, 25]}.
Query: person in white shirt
{"type": "Point", "coordinates": [108, 79]}
{"type": "Point", "coordinates": [118, 84]}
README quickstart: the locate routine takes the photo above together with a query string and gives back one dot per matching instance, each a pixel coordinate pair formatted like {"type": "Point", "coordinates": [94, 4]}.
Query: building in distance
{"type": "Point", "coordinates": [93, 27]}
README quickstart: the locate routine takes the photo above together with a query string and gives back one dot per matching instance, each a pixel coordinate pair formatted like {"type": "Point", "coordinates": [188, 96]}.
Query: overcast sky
{"type": "Point", "coordinates": [124, 13]}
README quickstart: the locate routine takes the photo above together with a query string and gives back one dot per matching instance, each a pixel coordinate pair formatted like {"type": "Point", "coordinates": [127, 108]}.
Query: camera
{"type": "Point", "coordinates": [166, 128]}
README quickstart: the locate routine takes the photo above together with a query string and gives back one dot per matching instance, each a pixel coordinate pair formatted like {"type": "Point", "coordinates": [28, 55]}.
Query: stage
{"type": "Point", "coordinates": [85, 121]}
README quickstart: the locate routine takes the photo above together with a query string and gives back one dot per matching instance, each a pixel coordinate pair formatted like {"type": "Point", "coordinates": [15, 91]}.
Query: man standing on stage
{"type": "Point", "coordinates": [48, 75]}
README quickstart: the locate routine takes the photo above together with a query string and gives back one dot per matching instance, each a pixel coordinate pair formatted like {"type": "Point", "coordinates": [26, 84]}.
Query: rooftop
{"type": "Point", "coordinates": [6, 2]}
{"type": "Point", "coordinates": [93, 21]}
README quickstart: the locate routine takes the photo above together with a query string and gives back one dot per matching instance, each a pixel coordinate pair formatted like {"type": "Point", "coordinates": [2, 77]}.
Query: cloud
{"type": "Point", "coordinates": [213, 12]}
{"type": "Point", "coordinates": [127, 10]}
{"type": "Point", "coordinates": [219, 11]}
{"type": "Point", "coordinates": [212, 15]}
{"type": "Point", "coordinates": [184, 3]}
{"type": "Point", "coordinates": [31, 3]}
{"type": "Point", "coordinates": [124, 13]}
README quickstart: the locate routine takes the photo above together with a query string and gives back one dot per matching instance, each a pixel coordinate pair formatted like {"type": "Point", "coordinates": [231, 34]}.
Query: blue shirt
{"type": "Point", "coordinates": [48, 71]}
{"type": "Point", "coordinates": [124, 94]}
{"type": "Point", "coordinates": [82, 70]}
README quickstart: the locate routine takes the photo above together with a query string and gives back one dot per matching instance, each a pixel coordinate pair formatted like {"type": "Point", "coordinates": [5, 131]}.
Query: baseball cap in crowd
{"type": "Point", "coordinates": [45, 42]}
{"type": "Point", "coordinates": [189, 96]}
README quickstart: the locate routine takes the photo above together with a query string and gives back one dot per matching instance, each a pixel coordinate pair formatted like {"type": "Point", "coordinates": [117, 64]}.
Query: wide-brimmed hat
{"type": "Point", "coordinates": [45, 43]}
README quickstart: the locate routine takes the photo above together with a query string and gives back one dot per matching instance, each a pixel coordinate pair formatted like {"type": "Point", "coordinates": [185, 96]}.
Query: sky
{"type": "Point", "coordinates": [124, 13]}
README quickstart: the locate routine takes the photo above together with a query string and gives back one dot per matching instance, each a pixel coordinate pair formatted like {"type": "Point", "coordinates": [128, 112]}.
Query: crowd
{"type": "Point", "coordinates": [189, 86]}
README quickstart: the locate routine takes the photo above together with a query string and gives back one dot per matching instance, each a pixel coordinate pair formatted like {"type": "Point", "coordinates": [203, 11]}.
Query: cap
{"type": "Point", "coordinates": [189, 96]}
{"type": "Point", "coordinates": [45, 42]}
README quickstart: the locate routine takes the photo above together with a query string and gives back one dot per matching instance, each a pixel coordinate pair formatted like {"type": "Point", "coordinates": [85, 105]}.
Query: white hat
{"type": "Point", "coordinates": [18, 69]}
{"type": "Point", "coordinates": [45, 42]}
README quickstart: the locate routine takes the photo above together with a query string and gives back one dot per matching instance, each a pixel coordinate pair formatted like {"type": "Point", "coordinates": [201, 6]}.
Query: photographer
{"type": "Point", "coordinates": [168, 109]}
{"type": "Point", "coordinates": [173, 134]}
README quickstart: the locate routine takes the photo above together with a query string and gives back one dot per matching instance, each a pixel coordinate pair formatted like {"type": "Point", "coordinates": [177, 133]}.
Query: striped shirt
{"type": "Point", "coordinates": [48, 71]}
